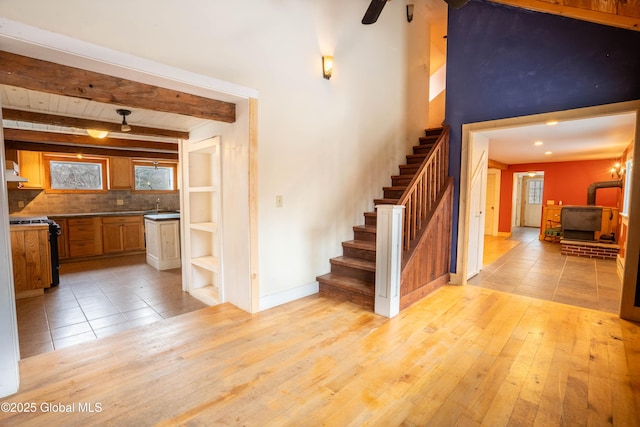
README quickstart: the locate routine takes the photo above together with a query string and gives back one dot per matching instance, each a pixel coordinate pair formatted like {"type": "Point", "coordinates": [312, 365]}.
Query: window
{"type": "Point", "coordinates": [534, 194]}
{"type": "Point", "coordinates": [154, 176]}
{"type": "Point", "coordinates": [627, 187]}
{"type": "Point", "coordinates": [69, 174]}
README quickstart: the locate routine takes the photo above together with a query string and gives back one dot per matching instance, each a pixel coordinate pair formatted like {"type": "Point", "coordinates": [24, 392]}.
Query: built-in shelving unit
{"type": "Point", "coordinates": [201, 215]}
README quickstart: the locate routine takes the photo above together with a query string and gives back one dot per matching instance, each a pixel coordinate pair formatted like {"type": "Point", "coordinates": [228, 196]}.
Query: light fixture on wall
{"type": "Point", "coordinates": [617, 170]}
{"type": "Point", "coordinates": [125, 126]}
{"type": "Point", "coordinates": [327, 66]}
{"type": "Point", "coordinates": [409, 12]}
{"type": "Point", "coordinates": [531, 174]}
{"type": "Point", "coordinates": [95, 133]}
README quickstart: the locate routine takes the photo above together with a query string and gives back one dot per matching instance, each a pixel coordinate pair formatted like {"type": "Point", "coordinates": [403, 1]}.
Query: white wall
{"type": "Point", "coordinates": [326, 146]}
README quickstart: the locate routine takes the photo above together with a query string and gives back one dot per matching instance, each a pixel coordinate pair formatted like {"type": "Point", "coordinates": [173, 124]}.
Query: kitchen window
{"type": "Point", "coordinates": [75, 174]}
{"type": "Point", "coordinates": [154, 176]}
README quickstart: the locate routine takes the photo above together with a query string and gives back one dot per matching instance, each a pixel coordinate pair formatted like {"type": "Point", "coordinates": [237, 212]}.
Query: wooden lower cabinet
{"type": "Point", "coordinates": [122, 233]}
{"type": "Point", "coordinates": [31, 259]}
{"type": "Point", "coordinates": [85, 236]}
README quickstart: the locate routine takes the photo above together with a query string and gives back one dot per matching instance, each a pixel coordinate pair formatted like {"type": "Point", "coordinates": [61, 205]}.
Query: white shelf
{"type": "Point", "coordinates": [209, 263]}
{"type": "Point", "coordinates": [208, 295]}
{"type": "Point", "coordinates": [204, 226]}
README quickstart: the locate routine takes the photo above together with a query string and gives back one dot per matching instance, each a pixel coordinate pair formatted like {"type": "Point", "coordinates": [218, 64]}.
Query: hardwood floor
{"type": "Point", "coordinates": [524, 265]}
{"type": "Point", "coordinates": [462, 356]}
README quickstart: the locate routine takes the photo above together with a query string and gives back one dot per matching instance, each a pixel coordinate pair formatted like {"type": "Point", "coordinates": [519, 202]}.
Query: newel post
{"type": "Point", "coordinates": [388, 259]}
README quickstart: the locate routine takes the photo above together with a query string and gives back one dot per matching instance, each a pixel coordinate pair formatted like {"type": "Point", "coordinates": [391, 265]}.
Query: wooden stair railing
{"type": "Point", "coordinates": [422, 193]}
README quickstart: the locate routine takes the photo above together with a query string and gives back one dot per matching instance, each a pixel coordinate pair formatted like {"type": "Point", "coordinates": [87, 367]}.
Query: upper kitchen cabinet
{"type": "Point", "coordinates": [32, 168]}
{"type": "Point", "coordinates": [120, 173]}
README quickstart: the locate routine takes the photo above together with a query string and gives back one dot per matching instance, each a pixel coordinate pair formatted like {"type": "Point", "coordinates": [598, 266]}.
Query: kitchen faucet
{"type": "Point", "coordinates": [158, 205]}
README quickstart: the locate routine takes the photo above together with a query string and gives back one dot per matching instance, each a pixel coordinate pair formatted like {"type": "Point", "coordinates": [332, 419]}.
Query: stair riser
{"type": "Point", "coordinates": [364, 235]}
{"type": "Point", "coordinates": [401, 181]}
{"type": "Point", "coordinates": [370, 219]}
{"type": "Point", "coordinates": [422, 149]}
{"type": "Point", "coordinates": [408, 169]}
{"type": "Point", "coordinates": [356, 273]}
{"type": "Point", "coordinates": [365, 301]}
{"type": "Point", "coordinates": [393, 194]}
{"type": "Point", "coordinates": [415, 160]}
{"type": "Point", "coordinates": [359, 253]}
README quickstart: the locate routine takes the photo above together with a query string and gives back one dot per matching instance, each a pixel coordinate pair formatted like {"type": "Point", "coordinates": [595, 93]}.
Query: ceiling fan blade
{"type": "Point", "coordinates": [456, 4]}
{"type": "Point", "coordinates": [373, 11]}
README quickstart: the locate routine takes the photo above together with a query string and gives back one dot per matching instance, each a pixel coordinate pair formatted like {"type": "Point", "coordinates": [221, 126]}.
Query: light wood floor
{"type": "Point", "coordinates": [462, 356]}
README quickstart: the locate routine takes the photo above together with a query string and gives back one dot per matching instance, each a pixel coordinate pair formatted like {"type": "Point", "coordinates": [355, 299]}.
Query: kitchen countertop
{"type": "Point", "coordinates": [119, 213]}
{"type": "Point", "coordinates": [163, 216]}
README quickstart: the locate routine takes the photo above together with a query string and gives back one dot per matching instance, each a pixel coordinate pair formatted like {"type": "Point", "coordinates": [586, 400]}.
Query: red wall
{"type": "Point", "coordinates": [566, 181]}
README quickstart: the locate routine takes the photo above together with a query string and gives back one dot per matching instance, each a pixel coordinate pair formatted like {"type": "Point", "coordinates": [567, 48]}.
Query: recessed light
{"type": "Point", "coordinates": [538, 143]}
{"type": "Point", "coordinates": [552, 122]}
{"type": "Point", "coordinates": [548, 153]}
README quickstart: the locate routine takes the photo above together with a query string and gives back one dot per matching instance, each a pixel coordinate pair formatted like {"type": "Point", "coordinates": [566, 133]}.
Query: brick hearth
{"type": "Point", "coordinates": [589, 249]}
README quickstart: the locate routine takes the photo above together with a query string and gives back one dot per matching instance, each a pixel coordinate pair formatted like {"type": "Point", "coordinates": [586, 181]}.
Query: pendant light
{"type": "Point", "coordinates": [125, 126]}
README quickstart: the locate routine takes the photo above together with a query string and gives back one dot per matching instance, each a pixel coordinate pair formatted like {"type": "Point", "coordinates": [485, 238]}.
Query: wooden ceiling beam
{"type": "Point", "coordinates": [96, 151]}
{"type": "Point", "coordinates": [82, 140]}
{"type": "Point", "coordinates": [49, 77]}
{"type": "Point", "coordinates": [599, 12]}
{"type": "Point", "coordinates": [51, 119]}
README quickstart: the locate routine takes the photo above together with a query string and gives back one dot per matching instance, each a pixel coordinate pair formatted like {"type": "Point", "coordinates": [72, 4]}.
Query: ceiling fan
{"type": "Point", "coordinates": [375, 7]}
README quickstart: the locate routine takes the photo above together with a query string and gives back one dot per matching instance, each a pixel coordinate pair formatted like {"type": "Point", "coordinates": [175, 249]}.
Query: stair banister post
{"type": "Point", "coordinates": [388, 259]}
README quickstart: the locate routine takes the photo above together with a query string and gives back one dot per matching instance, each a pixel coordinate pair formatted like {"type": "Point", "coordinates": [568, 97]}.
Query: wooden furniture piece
{"type": "Point", "coordinates": [122, 233]}
{"type": "Point", "coordinates": [30, 254]}
{"type": "Point", "coordinates": [551, 215]}
{"type": "Point", "coordinates": [162, 232]}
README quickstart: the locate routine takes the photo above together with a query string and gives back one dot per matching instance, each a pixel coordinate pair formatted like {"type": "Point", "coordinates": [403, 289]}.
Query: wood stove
{"type": "Point", "coordinates": [581, 222]}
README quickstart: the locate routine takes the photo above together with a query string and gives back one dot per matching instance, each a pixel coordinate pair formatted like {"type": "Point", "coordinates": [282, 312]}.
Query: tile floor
{"type": "Point", "coordinates": [99, 298]}
{"type": "Point", "coordinates": [537, 269]}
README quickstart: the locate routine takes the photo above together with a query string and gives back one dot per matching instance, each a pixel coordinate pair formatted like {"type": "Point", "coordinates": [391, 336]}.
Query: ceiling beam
{"type": "Point", "coordinates": [585, 11]}
{"type": "Point", "coordinates": [49, 77]}
{"type": "Point", "coordinates": [494, 164]}
{"type": "Point", "coordinates": [50, 119]}
{"type": "Point", "coordinates": [95, 151]}
{"type": "Point", "coordinates": [85, 140]}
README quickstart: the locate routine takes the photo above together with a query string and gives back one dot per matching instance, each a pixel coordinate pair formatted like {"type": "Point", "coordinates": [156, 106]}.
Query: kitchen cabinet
{"type": "Point", "coordinates": [85, 236]}
{"type": "Point", "coordinates": [63, 238]}
{"type": "Point", "coordinates": [120, 171]}
{"type": "Point", "coordinates": [31, 258]}
{"type": "Point", "coordinates": [122, 233]}
{"type": "Point", "coordinates": [31, 167]}
{"type": "Point", "coordinates": [163, 241]}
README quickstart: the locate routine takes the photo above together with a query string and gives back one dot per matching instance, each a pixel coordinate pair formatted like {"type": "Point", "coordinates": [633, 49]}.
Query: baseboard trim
{"type": "Point", "coordinates": [274, 300]}
{"type": "Point", "coordinates": [455, 279]}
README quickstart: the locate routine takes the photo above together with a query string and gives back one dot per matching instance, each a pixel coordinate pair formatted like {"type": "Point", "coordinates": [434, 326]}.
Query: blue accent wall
{"type": "Point", "coordinates": [506, 62]}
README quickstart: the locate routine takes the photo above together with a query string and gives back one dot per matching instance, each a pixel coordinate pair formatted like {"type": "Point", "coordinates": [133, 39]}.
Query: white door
{"type": "Point", "coordinates": [532, 199]}
{"type": "Point", "coordinates": [492, 206]}
{"type": "Point", "coordinates": [479, 162]}
{"type": "Point", "coordinates": [9, 350]}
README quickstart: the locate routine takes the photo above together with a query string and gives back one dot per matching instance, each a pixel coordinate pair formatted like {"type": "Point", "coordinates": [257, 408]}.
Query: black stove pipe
{"type": "Point", "coordinates": [591, 191]}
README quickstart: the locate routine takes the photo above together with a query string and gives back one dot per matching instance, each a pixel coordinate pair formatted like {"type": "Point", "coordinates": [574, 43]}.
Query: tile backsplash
{"type": "Point", "coordinates": [37, 202]}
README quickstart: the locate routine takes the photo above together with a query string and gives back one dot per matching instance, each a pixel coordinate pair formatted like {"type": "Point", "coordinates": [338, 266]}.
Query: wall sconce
{"type": "Point", "coordinates": [327, 66]}
{"type": "Point", "coordinates": [99, 134]}
{"type": "Point", "coordinates": [409, 12]}
{"type": "Point", "coordinates": [617, 170]}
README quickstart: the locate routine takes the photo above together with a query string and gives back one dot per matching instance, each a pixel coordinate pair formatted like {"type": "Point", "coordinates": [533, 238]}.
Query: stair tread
{"type": "Point", "coordinates": [369, 228]}
{"type": "Point", "coordinates": [360, 244]}
{"type": "Point", "coordinates": [359, 263]}
{"type": "Point", "coordinates": [346, 282]}
{"type": "Point", "coordinates": [384, 201]}
{"type": "Point", "coordinates": [395, 187]}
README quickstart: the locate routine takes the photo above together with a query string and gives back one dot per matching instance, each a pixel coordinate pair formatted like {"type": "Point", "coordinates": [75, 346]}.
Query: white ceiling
{"type": "Point", "coordinates": [603, 137]}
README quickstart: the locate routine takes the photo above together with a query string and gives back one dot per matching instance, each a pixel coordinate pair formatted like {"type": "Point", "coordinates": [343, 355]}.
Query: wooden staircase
{"type": "Point", "coordinates": [352, 275]}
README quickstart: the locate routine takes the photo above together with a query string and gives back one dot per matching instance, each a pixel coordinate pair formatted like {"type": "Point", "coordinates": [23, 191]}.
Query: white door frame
{"type": "Point", "coordinates": [632, 260]}
{"type": "Point", "coordinates": [33, 42]}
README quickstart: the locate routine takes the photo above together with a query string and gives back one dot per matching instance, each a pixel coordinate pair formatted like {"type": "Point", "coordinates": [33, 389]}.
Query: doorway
{"type": "Point", "coordinates": [528, 203]}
